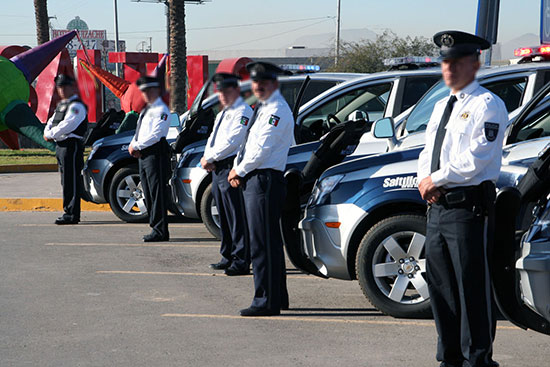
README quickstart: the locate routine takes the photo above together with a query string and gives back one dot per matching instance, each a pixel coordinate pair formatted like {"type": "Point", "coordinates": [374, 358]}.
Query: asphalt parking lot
{"type": "Point", "coordinates": [94, 295]}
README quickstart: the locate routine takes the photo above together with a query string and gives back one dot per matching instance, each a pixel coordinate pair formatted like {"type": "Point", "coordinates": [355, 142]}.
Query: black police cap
{"type": "Point", "coordinates": [63, 80]}
{"type": "Point", "coordinates": [225, 80]}
{"type": "Point", "coordinates": [456, 44]}
{"type": "Point", "coordinates": [260, 70]}
{"type": "Point", "coordinates": [145, 82]}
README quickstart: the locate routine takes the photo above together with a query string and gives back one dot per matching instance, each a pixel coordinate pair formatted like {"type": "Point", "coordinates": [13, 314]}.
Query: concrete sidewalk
{"type": "Point", "coordinates": [36, 191]}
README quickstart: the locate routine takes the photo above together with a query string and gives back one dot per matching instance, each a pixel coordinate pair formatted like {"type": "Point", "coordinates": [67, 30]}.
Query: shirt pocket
{"type": "Point", "coordinates": [461, 134]}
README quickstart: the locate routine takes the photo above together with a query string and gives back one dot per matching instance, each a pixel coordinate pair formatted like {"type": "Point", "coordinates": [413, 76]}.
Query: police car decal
{"type": "Point", "coordinates": [274, 120]}
{"type": "Point", "coordinates": [404, 182]}
{"type": "Point", "coordinates": [244, 120]}
{"type": "Point", "coordinates": [491, 131]}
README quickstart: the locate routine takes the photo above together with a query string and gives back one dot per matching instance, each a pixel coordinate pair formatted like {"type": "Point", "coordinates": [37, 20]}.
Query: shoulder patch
{"type": "Point", "coordinates": [491, 131]}
{"type": "Point", "coordinates": [164, 116]}
{"type": "Point", "coordinates": [274, 120]}
{"type": "Point", "coordinates": [244, 120]}
{"type": "Point", "coordinates": [74, 110]}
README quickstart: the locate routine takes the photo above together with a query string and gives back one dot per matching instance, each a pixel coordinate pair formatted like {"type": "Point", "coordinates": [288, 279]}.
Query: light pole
{"type": "Point", "coordinates": [117, 71]}
{"type": "Point", "coordinates": [337, 33]}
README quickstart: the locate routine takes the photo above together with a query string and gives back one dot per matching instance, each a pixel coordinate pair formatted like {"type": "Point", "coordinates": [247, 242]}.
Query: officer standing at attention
{"type": "Point", "coordinates": [258, 168]}
{"type": "Point", "coordinates": [150, 146]}
{"type": "Point", "coordinates": [457, 170]}
{"type": "Point", "coordinates": [67, 127]}
{"type": "Point", "coordinates": [223, 144]}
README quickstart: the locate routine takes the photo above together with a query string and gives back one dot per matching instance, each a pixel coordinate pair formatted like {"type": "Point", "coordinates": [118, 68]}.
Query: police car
{"type": "Point", "coordinates": [378, 95]}
{"type": "Point", "coordinates": [365, 219]}
{"type": "Point", "coordinates": [111, 174]}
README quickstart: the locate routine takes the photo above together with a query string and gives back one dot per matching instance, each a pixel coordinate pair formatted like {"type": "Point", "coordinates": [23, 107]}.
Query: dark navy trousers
{"type": "Point", "coordinates": [70, 158]}
{"type": "Point", "coordinates": [154, 172]}
{"type": "Point", "coordinates": [460, 286]}
{"type": "Point", "coordinates": [264, 192]}
{"type": "Point", "coordinates": [229, 201]}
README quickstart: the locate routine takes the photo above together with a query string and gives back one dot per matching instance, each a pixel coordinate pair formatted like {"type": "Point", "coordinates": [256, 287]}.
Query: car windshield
{"type": "Point", "coordinates": [420, 115]}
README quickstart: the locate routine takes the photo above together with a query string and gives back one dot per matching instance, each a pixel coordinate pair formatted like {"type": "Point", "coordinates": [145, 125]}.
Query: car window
{"type": "Point", "coordinates": [314, 88]}
{"type": "Point", "coordinates": [537, 123]}
{"type": "Point", "coordinates": [371, 99]}
{"type": "Point", "coordinates": [415, 87]}
{"type": "Point", "coordinates": [509, 90]}
{"type": "Point", "coordinates": [420, 115]}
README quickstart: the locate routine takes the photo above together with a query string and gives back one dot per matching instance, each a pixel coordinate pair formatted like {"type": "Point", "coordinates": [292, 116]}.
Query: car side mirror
{"type": "Point", "coordinates": [383, 128]}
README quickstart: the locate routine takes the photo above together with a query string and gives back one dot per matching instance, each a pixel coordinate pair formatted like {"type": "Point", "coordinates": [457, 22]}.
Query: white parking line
{"type": "Point", "coordinates": [75, 244]}
{"type": "Point", "coordinates": [131, 272]}
{"type": "Point", "coordinates": [319, 320]}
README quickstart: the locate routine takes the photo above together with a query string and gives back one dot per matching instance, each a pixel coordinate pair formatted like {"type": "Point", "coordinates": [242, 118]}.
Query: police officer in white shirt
{"type": "Point", "coordinates": [259, 168]}
{"type": "Point", "coordinates": [457, 170]}
{"type": "Point", "coordinates": [150, 146]}
{"type": "Point", "coordinates": [67, 127]}
{"type": "Point", "coordinates": [221, 148]}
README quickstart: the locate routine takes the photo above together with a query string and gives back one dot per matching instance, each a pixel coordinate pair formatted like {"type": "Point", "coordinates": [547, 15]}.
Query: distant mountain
{"type": "Point", "coordinates": [507, 48]}
{"type": "Point", "coordinates": [326, 40]}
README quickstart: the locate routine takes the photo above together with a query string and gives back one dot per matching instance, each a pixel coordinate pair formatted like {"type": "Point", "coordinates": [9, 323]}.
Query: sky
{"type": "Point", "coordinates": [264, 24]}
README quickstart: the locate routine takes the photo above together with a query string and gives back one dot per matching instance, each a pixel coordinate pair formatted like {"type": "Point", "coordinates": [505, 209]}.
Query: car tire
{"type": "Point", "coordinates": [391, 267]}
{"type": "Point", "coordinates": [125, 196]}
{"type": "Point", "coordinates": [209, 213]}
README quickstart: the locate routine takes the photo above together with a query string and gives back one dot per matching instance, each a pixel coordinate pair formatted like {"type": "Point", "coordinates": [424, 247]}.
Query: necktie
{"type": "Point", "coordinates": [140, 118]}
{"type": "Point", "coordinates": [216, 129]}
{"type": "Point", "coordinates": [240, 155]}
{"type": "Point", "coordinates": [440, 135]}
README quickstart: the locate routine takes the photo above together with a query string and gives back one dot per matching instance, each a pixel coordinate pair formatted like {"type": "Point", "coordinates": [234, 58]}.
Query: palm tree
{"type": "Point", "coordinates": [178, 56]}
{"type": "Point", "coordinates": [41, 14]}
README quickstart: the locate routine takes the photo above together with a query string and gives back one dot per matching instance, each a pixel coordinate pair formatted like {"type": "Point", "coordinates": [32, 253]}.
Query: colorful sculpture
{"type": "Point", "coordinates": [16, 75]}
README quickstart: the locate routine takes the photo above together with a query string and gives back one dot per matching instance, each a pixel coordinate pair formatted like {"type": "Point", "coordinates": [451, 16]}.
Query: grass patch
{"type": "Point", "coordinates": [30, 156]}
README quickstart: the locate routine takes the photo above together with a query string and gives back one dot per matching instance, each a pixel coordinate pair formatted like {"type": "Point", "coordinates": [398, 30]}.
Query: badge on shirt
{"type": "Point", "coordinates": [465, 116]}
{"type": "Point", "coordinates": [164, 116]}
{"type": "Point", "coordinates": [491, 131]}
{"type": "Point", "coordinates": [244, 120]}
{"type": "Point", "coordinates": [274, 120]}
{"type": "Point", "coordinates": [74, 110]}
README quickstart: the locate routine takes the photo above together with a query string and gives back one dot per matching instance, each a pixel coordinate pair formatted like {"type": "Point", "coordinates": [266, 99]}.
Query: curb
{"type": "Point", "coordinates": [46, 205]}
{"type": "Point", "coordinates": [21, 168]}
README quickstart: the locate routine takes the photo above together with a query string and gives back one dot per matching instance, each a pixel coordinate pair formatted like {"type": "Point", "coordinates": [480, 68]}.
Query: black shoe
{"type": "Point", "coordinates": [255, 311]}
{"type": "Point", "coordinates": [219, 266]}
{"type": "Point", "coordinates": [494, 364]}
{"type": "Point", "coordinates": [65, 220]}
{"type": "Point", "coordinates": [155, 237]}
{"type": "Point", "coordinates": [284, 307]}
{"type": "Point", "coordinates": [231, 271]}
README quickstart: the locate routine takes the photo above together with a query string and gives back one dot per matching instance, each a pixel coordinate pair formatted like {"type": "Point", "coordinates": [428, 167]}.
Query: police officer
{"type": "Point", "coordinates": [223, 144]}
{"type": "Point", "coordinates": [258, 168]}
{"type": "Point", "coordinates": [67, 127]}
{"type": "Point", "coordinates": [150, 146]}
{"type": "Point", "coordinates": [457, 170]}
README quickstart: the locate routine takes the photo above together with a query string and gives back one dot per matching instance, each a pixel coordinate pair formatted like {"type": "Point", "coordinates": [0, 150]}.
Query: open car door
{"type": "Point", "coordinates": [520, 262]}
{"type": "Point", "coordinates": [198, 124]}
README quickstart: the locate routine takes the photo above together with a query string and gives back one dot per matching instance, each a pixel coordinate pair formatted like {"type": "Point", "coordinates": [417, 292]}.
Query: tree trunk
{"type": "Point", "coordinates": [41, 14]}
{"type": "Point", "coordinates": [178, 57]}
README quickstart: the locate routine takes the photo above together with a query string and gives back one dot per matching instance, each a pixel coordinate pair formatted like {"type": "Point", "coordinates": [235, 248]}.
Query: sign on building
{"type": "Point", "coordinates": [92, 39]}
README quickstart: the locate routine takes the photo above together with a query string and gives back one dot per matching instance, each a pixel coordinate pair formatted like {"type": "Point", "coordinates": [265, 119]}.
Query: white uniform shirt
{"type": "Point", "coordinates": [231, 131]}
{"type": "Point", "coordinates": [76, 113]}
{"type": "Point", "coordinates": [472, 148]}
{"type": "Point", "coordinates": [270, 137]}
{"type": "Point", "coordinates": [154, 125]}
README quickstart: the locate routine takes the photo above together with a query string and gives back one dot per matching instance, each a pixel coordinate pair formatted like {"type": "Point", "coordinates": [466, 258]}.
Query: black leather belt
{"type": "Point", "coordinates": [462, 197]}
{"type": "Point", "coordinates": [226, 162]}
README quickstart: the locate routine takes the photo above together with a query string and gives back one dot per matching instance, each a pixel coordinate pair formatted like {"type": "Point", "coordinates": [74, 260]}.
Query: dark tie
{"type": "Point", "coordinates": [440, 135]}
{"type": "Point", "coordinates": [216, 130]}
{"type": "Point", "coordinates": [240, 155]}
{"type": "Point", "coordinates": [140, 118]}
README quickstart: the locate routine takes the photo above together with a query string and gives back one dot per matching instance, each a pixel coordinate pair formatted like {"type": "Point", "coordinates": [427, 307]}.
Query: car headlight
{"type": "Point", "coordinates": [184, 156]}
{"type": "Point", "coordinates": [323, 188]}
{"type": "Point", "coordinates": [95, 148]}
